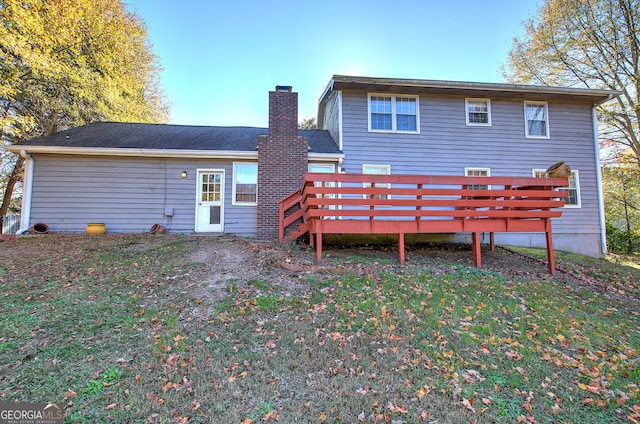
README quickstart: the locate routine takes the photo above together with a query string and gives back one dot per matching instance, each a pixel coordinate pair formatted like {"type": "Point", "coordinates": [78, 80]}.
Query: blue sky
{"type": "Point", "coordinates": [220, 59]}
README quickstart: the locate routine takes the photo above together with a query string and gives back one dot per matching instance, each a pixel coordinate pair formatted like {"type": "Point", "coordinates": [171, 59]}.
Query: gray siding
{"type": "Point", "coordinates": [331, 118]}
{"type": "Point", "coordinates": [127, 194]}
{"type": "Point", "coordinates": [446, 145]}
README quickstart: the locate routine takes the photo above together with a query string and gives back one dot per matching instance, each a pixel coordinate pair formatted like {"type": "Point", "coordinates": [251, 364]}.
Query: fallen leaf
{"type": "Point", "coordinates": [468, 404]}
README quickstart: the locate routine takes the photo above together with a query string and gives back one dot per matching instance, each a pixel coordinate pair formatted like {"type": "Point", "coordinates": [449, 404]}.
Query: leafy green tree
{"type": "Point", "coordinates": [66, 63]}
{"type": "Point", "coordinates": [622, 203]}
{"type": "Point", "coordinates": [586, 43]}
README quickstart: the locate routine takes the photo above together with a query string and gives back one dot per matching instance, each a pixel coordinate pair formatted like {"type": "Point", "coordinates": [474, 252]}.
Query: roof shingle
{"type": "Point", "coordinates": [180, 137]}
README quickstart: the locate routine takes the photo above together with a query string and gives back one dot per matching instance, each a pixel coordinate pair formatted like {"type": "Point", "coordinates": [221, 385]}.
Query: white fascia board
{"type": "Point", "coordinates": [133, 152]}
{"type": "Point", "coordinates": [166, 153]}
{"type": "Point", "coordinates": [326, 156]}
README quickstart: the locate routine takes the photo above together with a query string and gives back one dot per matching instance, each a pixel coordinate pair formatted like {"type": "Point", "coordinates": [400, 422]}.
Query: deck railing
{"type": "Point", "coordinates": [405, 204]}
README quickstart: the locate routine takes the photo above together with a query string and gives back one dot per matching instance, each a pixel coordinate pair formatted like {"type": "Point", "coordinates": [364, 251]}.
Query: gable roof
{"type": "Point", "coordinates": [172, 140]}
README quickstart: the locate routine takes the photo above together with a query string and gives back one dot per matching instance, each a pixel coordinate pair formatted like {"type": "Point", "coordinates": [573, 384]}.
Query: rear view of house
{"type": "Point", "coordinates": [230, 179]}
{"type": "Point", "coordinates": [400, 126]}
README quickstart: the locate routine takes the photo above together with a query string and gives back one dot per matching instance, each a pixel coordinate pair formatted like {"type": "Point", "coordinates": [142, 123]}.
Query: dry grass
{"type": "Point", "coordinates": [163, 329]}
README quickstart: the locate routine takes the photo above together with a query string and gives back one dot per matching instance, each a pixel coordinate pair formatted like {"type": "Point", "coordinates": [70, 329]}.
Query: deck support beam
{"type": "Point", "coordinates": [318, 247]}
{"type": "Point", "coordinates": [550, 256]}
{"type": "Point", "coordinates": [477, 257]}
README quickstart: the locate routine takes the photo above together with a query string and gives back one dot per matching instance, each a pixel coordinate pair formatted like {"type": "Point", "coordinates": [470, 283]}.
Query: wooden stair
{"type": "Point", "coordinates": [295, 198]}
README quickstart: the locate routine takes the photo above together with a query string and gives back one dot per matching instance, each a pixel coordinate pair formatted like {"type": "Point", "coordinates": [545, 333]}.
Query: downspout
{"type": "Point", "coordinates": [596, 147]}
{"type": "Point", "coordinates": [27, 184]}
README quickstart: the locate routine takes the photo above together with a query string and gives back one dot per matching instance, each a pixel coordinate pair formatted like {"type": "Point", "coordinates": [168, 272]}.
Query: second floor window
{"type": "Point", "coordinates": [478, 111]}
{"type": "Point", "coordinates": [536, 120]}
{"type": "Point", "coordinates": [393, 113]}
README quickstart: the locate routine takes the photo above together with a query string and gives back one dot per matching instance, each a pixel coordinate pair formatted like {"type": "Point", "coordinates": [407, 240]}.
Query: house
{"type": "Point", "coordinates": [230, 179]}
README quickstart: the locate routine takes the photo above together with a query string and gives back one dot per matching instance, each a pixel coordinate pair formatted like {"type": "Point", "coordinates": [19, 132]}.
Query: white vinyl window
{"type": "Point", "coordinates": [245, 183]}
{"type": "Point", "coordinates": [377, 170]}
{"type": "Point", "coordinates": [478, 112]}
{"type": "Point", "coordinates": [573, 199]}
{"type": "Point", "coordinates": [389, 113]}
{"type": "Point", "coordinates": [478, 172]}
{"type": "Point", "coordinates": [536, 119]}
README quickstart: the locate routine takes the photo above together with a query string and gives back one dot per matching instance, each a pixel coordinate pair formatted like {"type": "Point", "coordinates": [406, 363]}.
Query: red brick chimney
{"type": "Point", "coordinates": [282, 159]}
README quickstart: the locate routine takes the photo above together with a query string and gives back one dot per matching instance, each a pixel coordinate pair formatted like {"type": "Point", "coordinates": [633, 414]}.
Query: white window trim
{"type": "Point", "coordinates": [526, 121]}
{"type": "Point", "coordinates": [393, 112]}
{"type": "Point", "coordinates": [466, 110]}
{"type": "Point", "coordinates": [387, 167]}
{"type": "Point", "coordinates": [576, 175]}
{"type": "Point", "coordinates": [324, 164]}
{"type": "Point", "coordinates": [233, 186]}
{"type": "Point", "coordinates": [469, 169]}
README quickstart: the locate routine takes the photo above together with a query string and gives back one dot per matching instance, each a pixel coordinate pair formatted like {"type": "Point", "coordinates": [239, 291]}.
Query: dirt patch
{"type": "Point", "coordinates": [229, 261]}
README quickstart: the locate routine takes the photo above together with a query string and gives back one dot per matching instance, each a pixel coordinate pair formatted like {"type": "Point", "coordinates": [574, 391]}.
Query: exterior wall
{"type": "Point", "coordinates": [331, 118]}
{"type": "Point", "coordinates": [282, 160]}
{"type": "Point", "coordinates": [127, 194]}
{"type": "Point", "coordinates": [446, 145]}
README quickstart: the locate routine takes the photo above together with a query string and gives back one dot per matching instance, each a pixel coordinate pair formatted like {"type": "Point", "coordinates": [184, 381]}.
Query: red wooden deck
{"type": "Point", "coordinates": [405, 204]}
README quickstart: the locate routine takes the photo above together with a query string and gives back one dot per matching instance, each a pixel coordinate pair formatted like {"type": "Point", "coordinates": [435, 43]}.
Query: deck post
{"type": "Point", "coordinates": [492, 241]}
{"type": "Point", "coordinates": [477, 259]}
{"type": "Point", "coordinates": [401, 247]}
{"type": "Point", "coordinates": [550, 256]}
{"type": "Point", "coordinates": [318, 247]}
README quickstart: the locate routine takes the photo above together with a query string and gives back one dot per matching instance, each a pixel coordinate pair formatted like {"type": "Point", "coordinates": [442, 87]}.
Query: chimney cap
{"type": "Point", "coordinates": [284, 88]}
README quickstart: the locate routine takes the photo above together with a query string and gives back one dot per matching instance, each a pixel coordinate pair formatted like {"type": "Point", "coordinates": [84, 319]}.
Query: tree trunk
{"type": "Point", "coordinates": [629, 234]}
{"type": "Point", "coordinates": [16, 175]}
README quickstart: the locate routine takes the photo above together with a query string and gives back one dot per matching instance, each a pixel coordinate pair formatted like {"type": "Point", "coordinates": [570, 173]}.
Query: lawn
{"type": "Point", "coordinates": [166, 329]}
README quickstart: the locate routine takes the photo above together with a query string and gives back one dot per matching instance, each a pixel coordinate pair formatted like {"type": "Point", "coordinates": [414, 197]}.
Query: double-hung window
{"type": "Point", "coordinates": [536, 119]}
{"type": "Point", "coordinates": [245, 183]}
{"type": "Point", "coordinates": [478, 172]}
{"type": "Point", "coordinates": [394, 113]}
{"type": "Point", "coordinates": [377, 170]}
{"type": "Point", "coordinates": [478, 112]}
{"type": "Point", "coordinates": [573, 199]}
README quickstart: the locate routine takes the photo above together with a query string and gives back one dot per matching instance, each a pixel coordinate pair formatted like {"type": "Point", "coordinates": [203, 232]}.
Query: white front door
{"type": "Point", "coordinates": [209, 207]}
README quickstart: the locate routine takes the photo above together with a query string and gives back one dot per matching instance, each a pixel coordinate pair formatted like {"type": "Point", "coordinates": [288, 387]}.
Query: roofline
{"type": "Point", "coordinates": [326, 156]}
{"type": "Point", "coordinates": [338, 82]}
{"type": "Point", "coordinates": [157, 153]}
{"type": "Point", "coordinates": [101, 151]}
